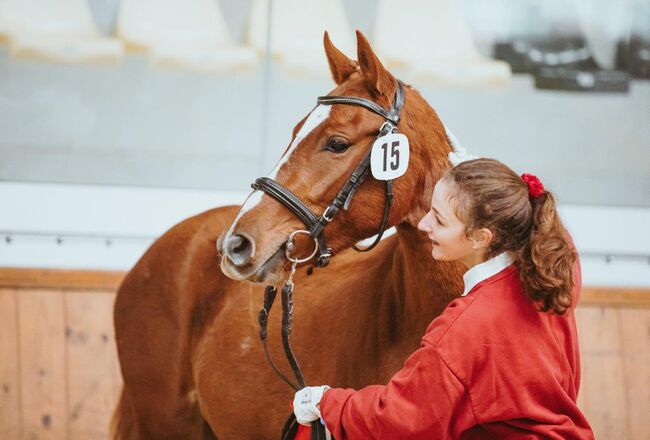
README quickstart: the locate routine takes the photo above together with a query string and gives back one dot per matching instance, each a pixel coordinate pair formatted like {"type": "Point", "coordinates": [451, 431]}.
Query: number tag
{"type": "Point", "coordinates": [389, 158]}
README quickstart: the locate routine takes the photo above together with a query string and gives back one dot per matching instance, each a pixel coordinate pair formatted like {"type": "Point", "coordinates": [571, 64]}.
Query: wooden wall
{"type": "Point", "coordinates": [60, 379]}
{"type": "Point", "coordinates": [59, 374]}
{"type": "Point", "coordinates": [615, 355]}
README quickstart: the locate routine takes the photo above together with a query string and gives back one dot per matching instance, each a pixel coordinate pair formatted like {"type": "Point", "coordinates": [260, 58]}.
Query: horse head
{"type": "Point", "coordinates": [327, 147]}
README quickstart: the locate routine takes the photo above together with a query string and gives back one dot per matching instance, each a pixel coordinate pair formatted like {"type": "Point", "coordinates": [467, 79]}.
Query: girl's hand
{"type": "Point", "coordinates": [306, 404]}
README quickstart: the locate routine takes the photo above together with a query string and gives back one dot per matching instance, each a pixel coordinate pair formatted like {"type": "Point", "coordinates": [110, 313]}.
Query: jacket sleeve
{"type": "Point", "coordinates": [424, 399]}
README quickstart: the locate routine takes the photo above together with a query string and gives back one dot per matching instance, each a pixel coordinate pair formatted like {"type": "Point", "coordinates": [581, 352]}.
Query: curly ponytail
{"type": "Point", "coordinates": [491, 195]}
{"type": "Point", "coordinates": [546, 261]}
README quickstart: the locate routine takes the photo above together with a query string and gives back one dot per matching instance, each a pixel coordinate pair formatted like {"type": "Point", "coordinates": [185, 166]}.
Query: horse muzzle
{"type": "Point", "coordinates": [238, 262]}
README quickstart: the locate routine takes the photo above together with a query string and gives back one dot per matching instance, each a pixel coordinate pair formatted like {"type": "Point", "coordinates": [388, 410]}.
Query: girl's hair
{"type": "Point", "coordinates": [490, 195]}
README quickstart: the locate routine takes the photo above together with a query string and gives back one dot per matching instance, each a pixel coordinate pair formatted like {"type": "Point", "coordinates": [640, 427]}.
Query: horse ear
{"type": "Point", "coordinates": [340, 65]}
{"type": "Point", "coordinates": [379, 80]}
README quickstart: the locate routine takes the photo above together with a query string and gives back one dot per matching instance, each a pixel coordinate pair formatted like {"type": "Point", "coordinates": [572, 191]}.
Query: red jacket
{"type": "Point", "coordinates": [490, 366]}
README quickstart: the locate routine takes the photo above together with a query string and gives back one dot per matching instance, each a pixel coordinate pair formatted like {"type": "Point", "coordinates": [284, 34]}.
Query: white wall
{"type": "Point", "coordinates": [94, 227]}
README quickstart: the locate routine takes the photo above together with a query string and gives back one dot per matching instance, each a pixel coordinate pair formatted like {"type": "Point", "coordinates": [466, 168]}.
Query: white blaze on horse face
{"type": "Point", "coordinates": [318, 115]}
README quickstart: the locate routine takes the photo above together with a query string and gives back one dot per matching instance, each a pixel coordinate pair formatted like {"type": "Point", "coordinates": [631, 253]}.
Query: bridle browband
{"type": "Point", "coordinates": [316, 224]}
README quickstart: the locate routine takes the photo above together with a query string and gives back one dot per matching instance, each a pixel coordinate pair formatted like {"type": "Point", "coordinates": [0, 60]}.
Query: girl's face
{"type": "Point", "coordinates": [446, 231]}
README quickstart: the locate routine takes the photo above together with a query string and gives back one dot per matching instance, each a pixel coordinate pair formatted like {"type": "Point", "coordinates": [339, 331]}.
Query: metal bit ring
{"type": "Point", "coordinates": [290, 247]}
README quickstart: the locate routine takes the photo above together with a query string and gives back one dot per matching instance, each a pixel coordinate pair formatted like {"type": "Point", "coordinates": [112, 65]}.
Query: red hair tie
{"type": "Point", "coordinates": [535, 187]}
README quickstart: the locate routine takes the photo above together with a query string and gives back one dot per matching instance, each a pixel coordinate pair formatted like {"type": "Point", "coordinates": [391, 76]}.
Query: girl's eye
{"type": "Point", "coordinates": [337, 146]}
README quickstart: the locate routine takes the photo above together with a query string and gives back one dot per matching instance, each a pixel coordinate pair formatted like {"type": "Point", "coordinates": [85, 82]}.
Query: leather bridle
{"type": "Point", "coordinates": [316, 224]}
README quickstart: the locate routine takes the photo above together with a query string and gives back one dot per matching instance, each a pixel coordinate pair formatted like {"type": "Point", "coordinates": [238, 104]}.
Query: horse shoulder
{"type": "Point", "coordinates": [161, 305]}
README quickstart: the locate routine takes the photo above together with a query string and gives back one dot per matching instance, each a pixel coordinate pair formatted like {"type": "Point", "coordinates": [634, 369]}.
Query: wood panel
{"type": "Point", "coordinates": [94, 380]}
{"type": "Point", "coordinates": [10, 416]}
{"type": "Point", "coordinates": [634, 328]}
{"type": "Point", "coordinates": [615, 297]}
{"type": "Point", "coordinates": [86, 280]}
{"type": "Point", "coordinates": [615, 385]}
{"type": "Point", "coordinates": [61, 279]}
{"type": "Point", "coordinates": [41, 318]}
{"type": "Point", "coordinates": [59, 374]}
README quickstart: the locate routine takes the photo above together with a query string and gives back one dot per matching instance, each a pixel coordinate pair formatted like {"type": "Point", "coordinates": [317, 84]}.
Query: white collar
{"type": "Point", "coordinates": [485, 270]}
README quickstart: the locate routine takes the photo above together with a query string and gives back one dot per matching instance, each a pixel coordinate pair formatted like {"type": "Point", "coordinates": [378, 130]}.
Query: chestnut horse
{"type": "Point", "coordinates": [187, 332]}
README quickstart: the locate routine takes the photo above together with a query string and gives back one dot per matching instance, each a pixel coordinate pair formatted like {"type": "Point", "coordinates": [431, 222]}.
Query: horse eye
{"type": "Point", "coordinates": [337, 146]}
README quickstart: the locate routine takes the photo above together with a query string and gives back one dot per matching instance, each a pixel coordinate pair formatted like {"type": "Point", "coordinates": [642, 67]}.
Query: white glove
{"type": "Point", "coordinates": [306, 404]}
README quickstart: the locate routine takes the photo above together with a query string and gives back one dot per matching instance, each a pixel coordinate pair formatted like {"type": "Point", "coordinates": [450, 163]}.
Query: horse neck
{"type": "Point", "coordinates": [419, 287]}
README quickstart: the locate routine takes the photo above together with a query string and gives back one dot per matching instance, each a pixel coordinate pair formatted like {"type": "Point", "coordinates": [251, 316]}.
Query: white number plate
{"type": "Point", "coordinates": [389, 158]}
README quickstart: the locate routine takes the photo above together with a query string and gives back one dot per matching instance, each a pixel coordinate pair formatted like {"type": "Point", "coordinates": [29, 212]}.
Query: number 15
{"type": "Point", "coordinates": [394, 154]}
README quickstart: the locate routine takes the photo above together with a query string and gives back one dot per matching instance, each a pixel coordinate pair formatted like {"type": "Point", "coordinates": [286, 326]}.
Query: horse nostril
{"type": "Point", "coordinates": [239, 249]}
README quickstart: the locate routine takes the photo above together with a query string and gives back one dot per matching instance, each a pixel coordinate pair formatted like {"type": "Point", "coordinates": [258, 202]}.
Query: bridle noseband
{"type": "Point", "coordinates": [316, 224]}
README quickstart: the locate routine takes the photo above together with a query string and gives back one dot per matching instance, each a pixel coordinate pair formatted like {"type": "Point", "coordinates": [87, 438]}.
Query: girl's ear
{"type": "Point", "coordinates": [482, 238]}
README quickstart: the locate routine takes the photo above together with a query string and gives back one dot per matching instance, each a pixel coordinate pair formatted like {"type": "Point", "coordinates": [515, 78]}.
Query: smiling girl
{"type": "Point", "coordinates": [501, 361]}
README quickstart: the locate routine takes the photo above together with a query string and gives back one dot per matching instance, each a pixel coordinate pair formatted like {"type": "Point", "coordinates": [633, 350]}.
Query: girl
{"type": "Point", "coordinates": [502, 360]}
